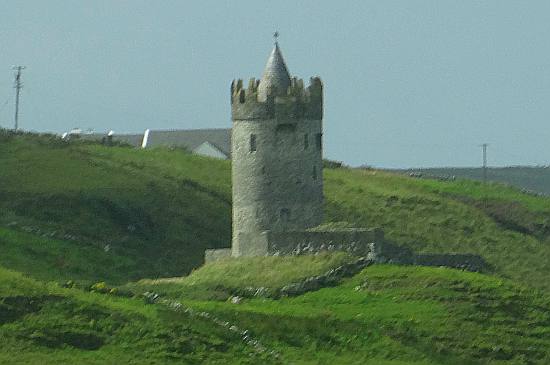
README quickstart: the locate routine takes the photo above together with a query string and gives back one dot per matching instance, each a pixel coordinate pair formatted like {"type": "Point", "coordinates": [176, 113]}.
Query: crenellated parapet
{"type": "Point", "coordinates": [299, 102]}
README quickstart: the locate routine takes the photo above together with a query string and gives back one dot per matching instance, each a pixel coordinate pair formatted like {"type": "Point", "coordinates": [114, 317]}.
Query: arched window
{"type": "Point", "coordinates": [314, 173]}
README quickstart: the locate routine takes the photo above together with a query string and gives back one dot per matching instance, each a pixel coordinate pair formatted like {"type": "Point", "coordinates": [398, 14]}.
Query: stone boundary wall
{"type": "Point", "coordinates": [387, 252]}
{"type": "Point", "coordinates": [368, 243]}
{"type": "Point", "coordinates": [357, 241]}
{"type": "Point", "coordinates": [246, 336]}
{"type": "Point", "coordinates": [469, 262]}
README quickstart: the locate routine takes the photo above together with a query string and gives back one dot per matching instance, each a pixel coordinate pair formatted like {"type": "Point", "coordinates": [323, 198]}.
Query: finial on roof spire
{"type": "Point", "coordinates": [275, 37]}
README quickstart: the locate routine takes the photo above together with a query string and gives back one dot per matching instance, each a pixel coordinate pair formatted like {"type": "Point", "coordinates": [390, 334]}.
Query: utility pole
{"type": "Point", "coordinates": [484, 146]}
{"type": "Point", "coordinates": [485, 197]}
{"type": "Point", "coordinates": [18, 86]}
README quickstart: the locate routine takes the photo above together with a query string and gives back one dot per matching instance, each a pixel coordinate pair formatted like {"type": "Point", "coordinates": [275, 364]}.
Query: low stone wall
{"type": "Point", "coordinates": [367, 243]}
{"type": "Point", "coordinates": [357, 241]}
{"type": "Point", "coordinates": [457, 261]}
{"type": "Point", "coordinates": [387, 252]}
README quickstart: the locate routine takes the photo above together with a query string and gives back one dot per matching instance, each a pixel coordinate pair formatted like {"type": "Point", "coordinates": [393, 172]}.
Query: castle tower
{"type": "Point", "coordinates": [276, 155]}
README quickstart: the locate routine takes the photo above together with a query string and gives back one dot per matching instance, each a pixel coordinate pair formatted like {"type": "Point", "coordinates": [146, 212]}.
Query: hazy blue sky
{"type": "Point", "coordinates": [407, 83]}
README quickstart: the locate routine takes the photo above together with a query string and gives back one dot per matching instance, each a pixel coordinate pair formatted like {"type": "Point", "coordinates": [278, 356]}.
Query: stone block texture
{"type": "Point", "coordinates": [357, 241]}
{"type": "Point", "coordinates": [216, 254]}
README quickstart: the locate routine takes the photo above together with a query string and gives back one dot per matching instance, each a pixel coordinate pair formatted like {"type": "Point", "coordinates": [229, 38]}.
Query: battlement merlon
{"type": "Point", "coordinates": [299, 102]}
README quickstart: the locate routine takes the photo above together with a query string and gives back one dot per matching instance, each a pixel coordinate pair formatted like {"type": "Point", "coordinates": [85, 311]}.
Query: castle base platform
{"type": "Point", "coordinates": [357, 241]}
{"type": "Point", "coordinates": [362, 242]}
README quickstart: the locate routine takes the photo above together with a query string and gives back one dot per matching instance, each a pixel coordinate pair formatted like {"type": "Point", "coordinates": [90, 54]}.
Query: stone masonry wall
{"type": "Point", "coordinates": [269, 243]}
{"type": "Point", "coordinates": [213, 255]}
{"type": "Point", "coordinates": [279, 186]}
{"type": "Point", "coordinates": [355, 241]}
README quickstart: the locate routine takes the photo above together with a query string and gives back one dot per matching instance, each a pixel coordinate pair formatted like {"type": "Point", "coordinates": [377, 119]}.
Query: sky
{"type": "Point", "coordinates": [407, 83]}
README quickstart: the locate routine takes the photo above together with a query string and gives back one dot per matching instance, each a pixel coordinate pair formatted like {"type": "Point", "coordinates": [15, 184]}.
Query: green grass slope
{"type": "Point", "coordinates": [219, 280]}
{"type": "Point", "coordinates": [151, 213]}
{"type": "Point", "coordinates": [507, 228]}
{"type": "Point", "coordinates": [56, 260]}
{"type": "Point", "coordinates": [45, 324]}
{"type": "Point", "coordinates": [384, 315]}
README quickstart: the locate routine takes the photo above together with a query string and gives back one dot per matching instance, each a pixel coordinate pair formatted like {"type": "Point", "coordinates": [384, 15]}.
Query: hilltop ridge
{"type": "Point", "coordinates": [530, 179]}
{"type": "Point", "coordinates": [155, 211]}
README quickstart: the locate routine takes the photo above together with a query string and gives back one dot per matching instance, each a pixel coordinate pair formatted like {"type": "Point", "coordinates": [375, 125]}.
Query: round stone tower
{"type": "Point", "coordinates": [277, 167]}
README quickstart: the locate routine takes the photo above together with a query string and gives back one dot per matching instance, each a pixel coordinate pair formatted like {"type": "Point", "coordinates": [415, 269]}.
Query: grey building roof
{"type": "Point", "coordinates": [191, 139]}
{"type": "Point", "coordinates": [276, 78]}
{"type": "Point", "coordinates": [131, 139]}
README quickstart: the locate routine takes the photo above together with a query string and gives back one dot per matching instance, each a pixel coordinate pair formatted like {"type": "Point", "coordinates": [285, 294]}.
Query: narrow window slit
{"type": "Point", "coordinates": [253, 146]}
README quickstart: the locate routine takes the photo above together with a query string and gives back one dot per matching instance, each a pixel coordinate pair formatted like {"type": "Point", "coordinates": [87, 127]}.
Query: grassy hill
{"type": "Point", "coordinates": [88, 213]}
{"type": "Point", "coordinates": [118, 214]}
{"type": "Point", "coordinates": [531, 178]}
{"type": "Point", "coordinates": [384, 315]}
{"type": "Point", "coordinates": [149, 214]}
{"type": "Point", "coordinates": [45, 324]}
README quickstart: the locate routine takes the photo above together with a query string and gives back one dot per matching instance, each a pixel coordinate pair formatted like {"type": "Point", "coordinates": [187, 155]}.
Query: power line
{"type": "Point", "coordinates": [18, 86]}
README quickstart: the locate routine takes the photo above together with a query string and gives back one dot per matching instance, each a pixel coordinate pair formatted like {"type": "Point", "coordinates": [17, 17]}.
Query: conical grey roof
{"type": "Point", "coordinates": [276, 79]}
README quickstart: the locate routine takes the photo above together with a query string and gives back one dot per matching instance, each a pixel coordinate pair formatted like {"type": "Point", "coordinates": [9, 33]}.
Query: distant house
{"type": "Point", "coordinates": [206, 142]}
